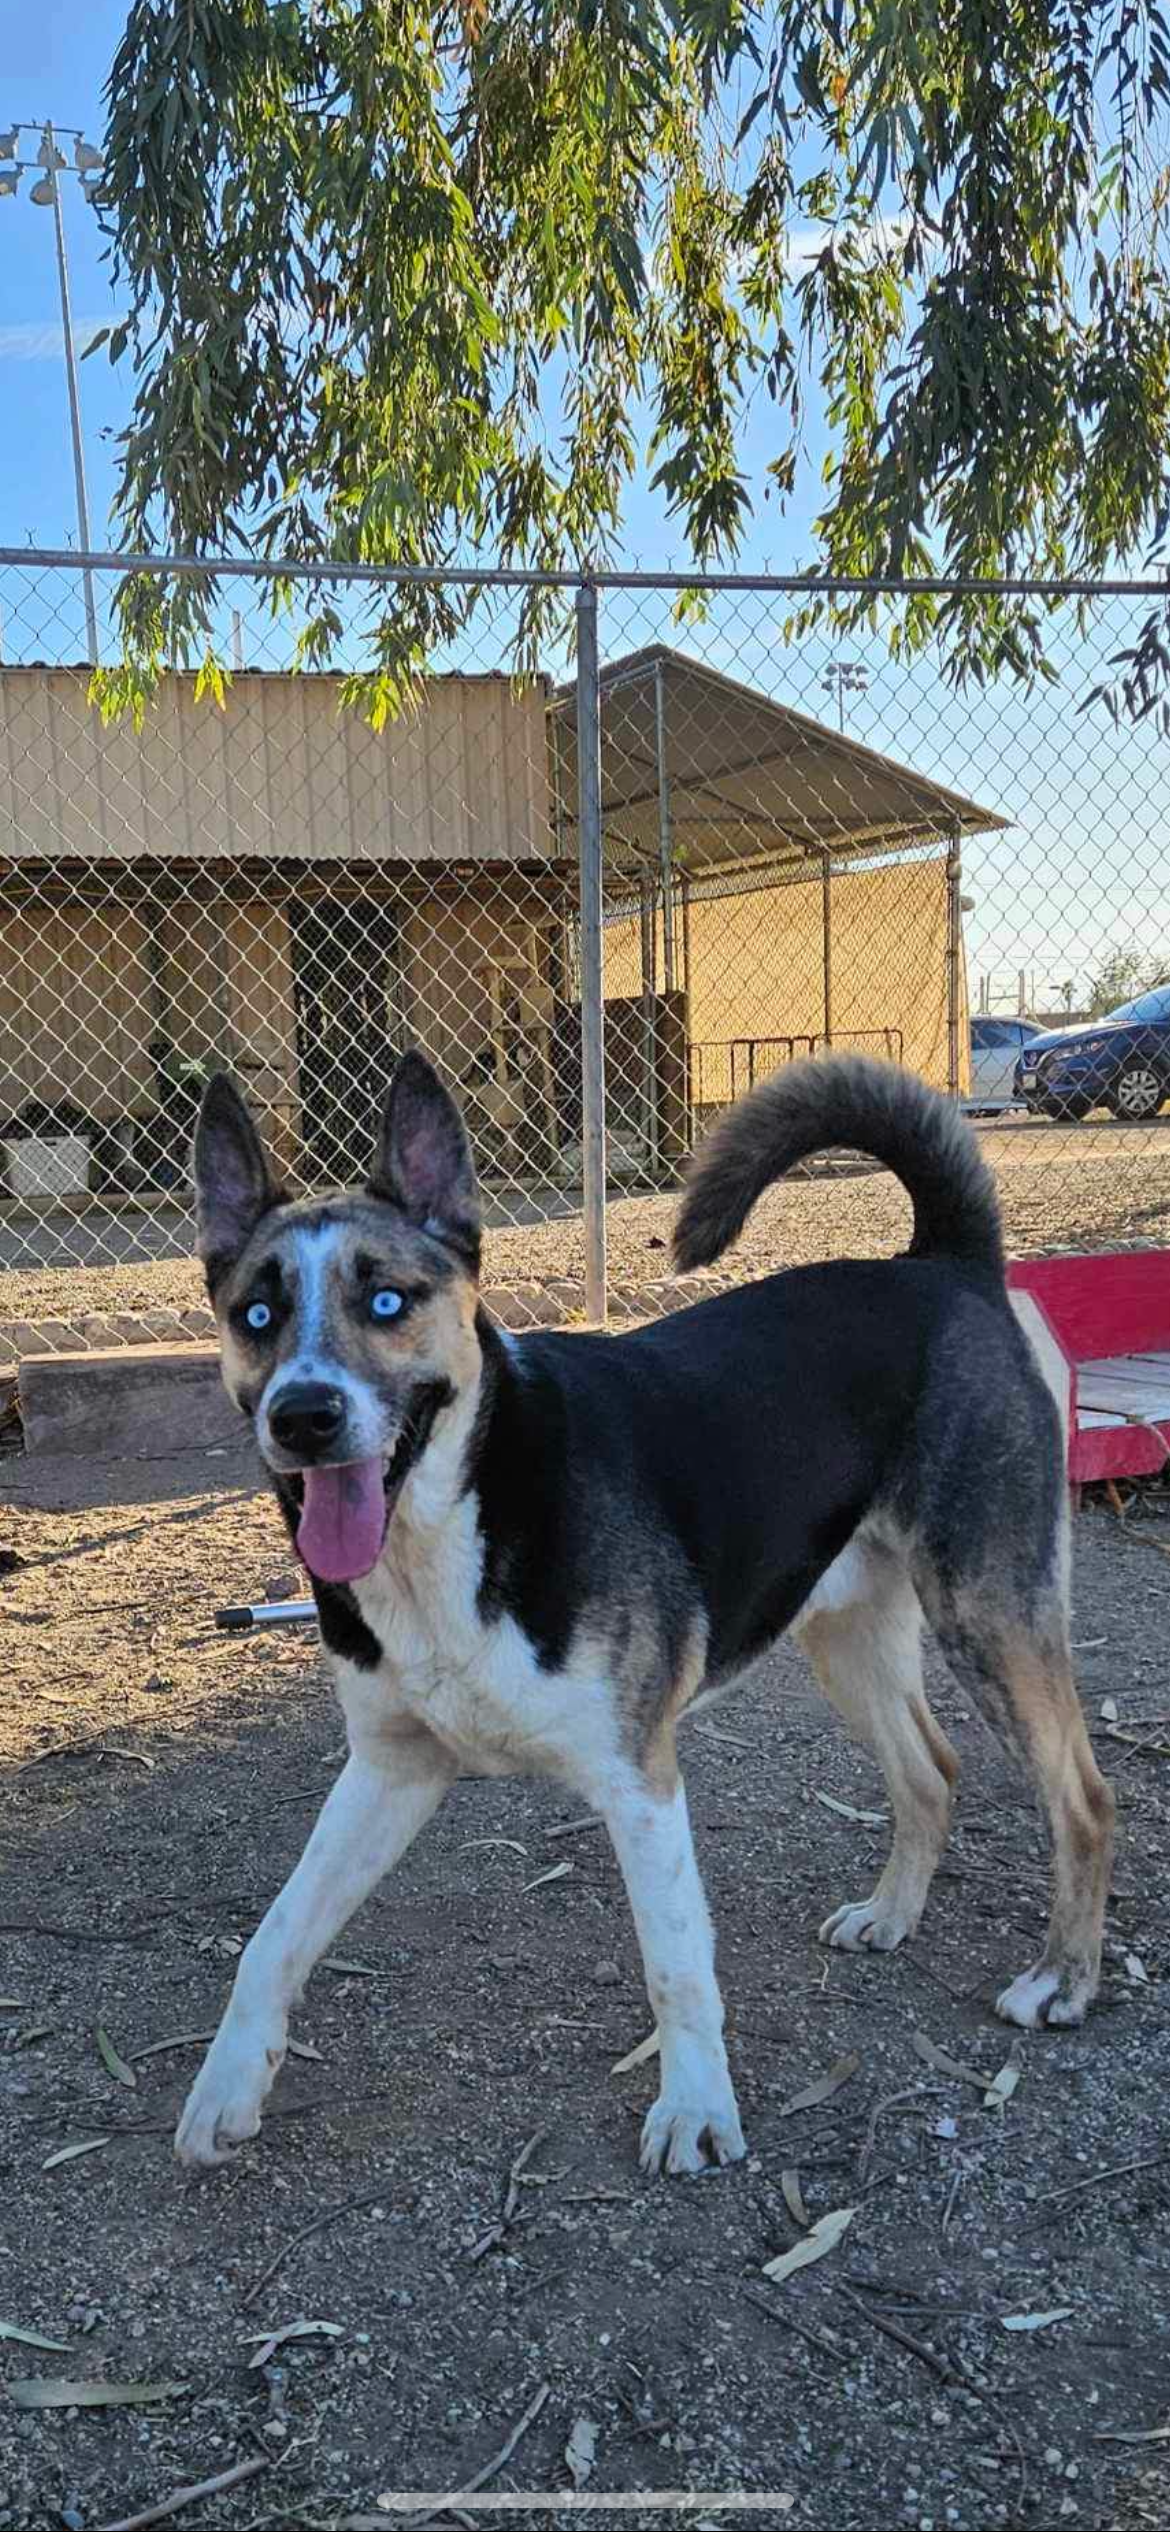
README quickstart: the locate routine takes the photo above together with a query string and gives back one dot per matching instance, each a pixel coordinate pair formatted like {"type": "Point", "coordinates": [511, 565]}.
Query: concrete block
{"type": "Point", "coordinates": [120, 1404]}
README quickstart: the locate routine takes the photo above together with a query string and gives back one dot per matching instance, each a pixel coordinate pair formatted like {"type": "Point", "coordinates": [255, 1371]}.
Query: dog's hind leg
{"type": "Point", "coordinates": [1019, 1669]}
{"type": "Point", "coordinates": [863, 1636]}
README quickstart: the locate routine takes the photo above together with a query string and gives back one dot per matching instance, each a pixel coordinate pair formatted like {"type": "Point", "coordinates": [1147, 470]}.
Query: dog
{"type": "Point", "coordinates": [532, 1554]}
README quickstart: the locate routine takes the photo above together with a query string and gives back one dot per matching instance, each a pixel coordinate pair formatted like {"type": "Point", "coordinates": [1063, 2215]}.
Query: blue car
{"type": "Point", "coordinates": [1120, 1062]}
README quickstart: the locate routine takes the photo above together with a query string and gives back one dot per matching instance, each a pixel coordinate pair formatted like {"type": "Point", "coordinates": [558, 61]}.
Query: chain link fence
{"type": "Point", "coordinates": [690, 843]}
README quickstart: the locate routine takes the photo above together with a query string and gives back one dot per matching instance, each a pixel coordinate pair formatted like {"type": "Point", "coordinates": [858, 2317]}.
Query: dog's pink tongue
{"type": "Point", "coordinates": [343, 1522]}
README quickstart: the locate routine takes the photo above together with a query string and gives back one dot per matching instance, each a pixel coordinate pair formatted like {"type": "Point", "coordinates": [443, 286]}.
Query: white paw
{"type": "Point", "coordinates": [1043, 1995]}
{"type": "Point", "coordinates": [867, 1925]}
{"type": "Point", "coordinates": [682, 2135]}
{"type": "Point", "coordinates": [225, 2101]}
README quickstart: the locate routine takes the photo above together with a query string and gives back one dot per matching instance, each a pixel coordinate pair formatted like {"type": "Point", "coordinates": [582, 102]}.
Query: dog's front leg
{"type": "Point", "coordinates": [376, 1807]}
{"type": "Point", "coordinates": [694, 2120]}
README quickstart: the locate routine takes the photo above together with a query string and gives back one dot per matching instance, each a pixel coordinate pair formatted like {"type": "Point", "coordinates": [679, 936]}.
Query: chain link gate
{"type": "Point", "coordinates": [694, 841]}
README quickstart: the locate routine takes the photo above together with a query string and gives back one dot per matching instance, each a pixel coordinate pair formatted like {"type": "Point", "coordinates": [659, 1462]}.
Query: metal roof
{"type": "Point", "coordinates": [748, 781]}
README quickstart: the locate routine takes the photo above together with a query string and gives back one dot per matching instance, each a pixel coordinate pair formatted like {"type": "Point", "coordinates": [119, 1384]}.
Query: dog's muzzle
{"type": "Point", "coordinates": [307, 1419]}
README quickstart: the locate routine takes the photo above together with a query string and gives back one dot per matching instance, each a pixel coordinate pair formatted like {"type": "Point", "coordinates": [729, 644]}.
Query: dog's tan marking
{"type": "Point", "coordinates": [1079, 1806]}
{"type": "Point", "coordinates": [650, 1724]}
{"type": "Point", "coordinates": [867, 1655]}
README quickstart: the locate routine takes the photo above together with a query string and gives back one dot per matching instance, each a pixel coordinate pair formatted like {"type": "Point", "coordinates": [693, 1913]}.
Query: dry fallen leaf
{"type": "Point", "coordinates": [637, 2056]}
{"type": "Point", "coordinates": [794, 2199]}
{"type": "Point", "coordinates": [1002, 2086]}
{"type": "Point", "coordinates": [53, 2393]}
{"type": "Point", "coordinates": [114, 2065]}
{"type": "Point", "coordinates": [556, 1872]}
{"type": "Point", "coordinates": [32, 2031]}
{"type": "Point", "coordinates": [1133, 2435]}
{"type": "Point", "coordinates": [70, 2153]}
{"type": "Point", "coordinates": [944, 2065]}
{"type": "Point", "coordinates": [825, 2235]}
{"type": "Point", "coordinates": [178, 2039]}
{"type": "Point", "coordinates": [11, 2004]}
{"type": "Point", "coordinates": [823, 2089]}
{"type": "Point", "coordinates": [33, 2338]}
{"type": "Point", "coordinates": [1136, 1971]}
{"type": "Point", "coordinates": [849, 1811]}
{"type": "Point", "coordinates": [511, 1842]}
{"type": "Point", "coordinates": [1108, 1709]}
{"type": "Point", "coordinates": [732, 1740]}
{"type": "Point", "coordinates": [272, 2339]}
{"type": "Point", "coordinates": [581, 2451]}
{"type": "Point", "coordinates": [1038, 2320]}
{"type": "Point", "coordinates": [305, 2048]}
{"type": "Point", "coordinates": [347, 1969]}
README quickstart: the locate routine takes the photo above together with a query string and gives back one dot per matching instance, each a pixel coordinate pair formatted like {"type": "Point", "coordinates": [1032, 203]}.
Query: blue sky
{"type": "Point", "coordinates": [55, 61]}
{"type": "Point", "coordinates": [1084, 864]}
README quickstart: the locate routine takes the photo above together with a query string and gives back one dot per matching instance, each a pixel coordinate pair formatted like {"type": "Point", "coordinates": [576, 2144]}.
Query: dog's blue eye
{"type": "Point", "coordinates": [258, 1315]}
{"type": "Point", "coordinates": [386, 1304]}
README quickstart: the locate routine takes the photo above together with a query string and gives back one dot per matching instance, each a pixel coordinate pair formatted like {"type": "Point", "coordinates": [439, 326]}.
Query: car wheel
{"type": "Point", "coordinates": [1137, 1093]}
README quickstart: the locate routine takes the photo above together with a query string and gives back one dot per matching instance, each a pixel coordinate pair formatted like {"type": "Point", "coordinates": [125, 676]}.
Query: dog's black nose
{"type": "Point", "coordinates": [307, 1418]}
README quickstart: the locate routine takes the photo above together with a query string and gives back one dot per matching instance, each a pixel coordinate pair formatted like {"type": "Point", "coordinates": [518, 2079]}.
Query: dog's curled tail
{"type": "Point", "coordinates": [867, 1107]}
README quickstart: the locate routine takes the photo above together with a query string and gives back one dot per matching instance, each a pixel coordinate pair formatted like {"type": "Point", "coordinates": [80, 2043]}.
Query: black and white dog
{"type": "Point", "coordinates": [530, 1555]}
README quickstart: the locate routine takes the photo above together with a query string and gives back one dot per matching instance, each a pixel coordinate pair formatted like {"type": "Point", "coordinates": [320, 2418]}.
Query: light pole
{"type": "Point", "coordinates": [48, 166]}
{"type": "Point", "coordinates": [847, 677]}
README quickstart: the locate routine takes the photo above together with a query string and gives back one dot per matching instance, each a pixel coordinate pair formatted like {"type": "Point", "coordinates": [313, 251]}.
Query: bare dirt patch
{"type": "Point", "coordinates": [491, 2013]}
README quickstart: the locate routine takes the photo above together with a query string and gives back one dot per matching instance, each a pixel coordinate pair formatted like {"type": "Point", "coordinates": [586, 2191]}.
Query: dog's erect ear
{"type": "Point", "coordinates": [234, 1185]}
{"type": "Point", "coordinates": [423, 1162]}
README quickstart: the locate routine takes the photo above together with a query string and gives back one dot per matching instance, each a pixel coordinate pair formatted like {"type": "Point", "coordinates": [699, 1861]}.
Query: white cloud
{"type": "Point", "coordinates": [878, 234]}
{"type": "Point", "coordinates": [47, 342]}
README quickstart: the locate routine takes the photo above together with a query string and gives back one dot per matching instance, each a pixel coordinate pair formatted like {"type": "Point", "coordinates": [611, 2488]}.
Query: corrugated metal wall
{"type": "Point", "coordinates": [757, 962]}
{"type": "Point", "coordinates": [282, 772]}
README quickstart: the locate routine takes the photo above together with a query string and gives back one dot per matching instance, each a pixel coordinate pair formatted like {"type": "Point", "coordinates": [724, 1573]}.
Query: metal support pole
{"type": "Point", "coordinates": [954, 956]}
{"type": "Point", "coordinates": [91, 636]}
{"type": "Point", "coordinates": [664, 836]}
{"type": "Point", "coordinates": [649, 1022]}
{"type": "Point", "coordinates": [688, 1022]}
{"type": "Point", "coordinates": [592, 983]}
{"type": "Point", "coordinates": [827, 939]}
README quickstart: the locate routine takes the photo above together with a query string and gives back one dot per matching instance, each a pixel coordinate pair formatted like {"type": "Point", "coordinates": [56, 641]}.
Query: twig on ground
{"type": "Point", "coordinates": [64, 1933]}
{"type": "Point", "coordinates": [1109, 2171]}
{"type": "Point", "coordinates": [480, 2478]}
{"type": "Point", "coordinates": [507, 2215]}
{"type": "Point", "coordinates": [190, 2495]}
{"type": "Point", "coordinates": [952, 2195]}
{"type": "Point", "coordinates": [940, 2365]}
{"type": "Point", "coordinates": [788, 2321]}
{"type": "Point", "coordinates": [515, 2175]}
{"type": "Point", "coordinates": [330, 2215]}
{"type": "Point", "coordinates": [912, 2092]}
{"type": "Point", "coordinates": [569, 1828]}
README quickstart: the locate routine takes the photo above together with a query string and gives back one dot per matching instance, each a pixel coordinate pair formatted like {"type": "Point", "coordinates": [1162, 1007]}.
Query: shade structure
{"type": "Point", "coordinates": [739, 780]}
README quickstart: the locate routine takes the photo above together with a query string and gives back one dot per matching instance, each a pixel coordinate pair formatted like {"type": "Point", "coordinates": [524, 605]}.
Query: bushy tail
{"type": "Point", "coordinates": [867, 1107]}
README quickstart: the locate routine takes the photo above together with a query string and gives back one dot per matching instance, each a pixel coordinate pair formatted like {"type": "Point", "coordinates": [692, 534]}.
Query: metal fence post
{"type": "Point", "coordinates": [954, 955]}
{"type": "Point", "coordinates": [592, 986]}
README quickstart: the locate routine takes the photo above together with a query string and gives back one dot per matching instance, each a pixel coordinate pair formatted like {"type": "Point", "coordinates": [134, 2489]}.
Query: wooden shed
{"type": "Point", "coordinates": [275, 886]}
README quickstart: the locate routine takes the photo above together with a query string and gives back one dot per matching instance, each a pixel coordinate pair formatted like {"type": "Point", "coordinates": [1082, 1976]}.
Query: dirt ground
{"type": "Point", "coordinates": [158, 1784]}
{"type": "Point", "coordinates": [1091, 1186]}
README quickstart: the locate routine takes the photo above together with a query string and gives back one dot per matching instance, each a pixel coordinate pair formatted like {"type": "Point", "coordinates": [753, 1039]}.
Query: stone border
{"type": "Point", "coordinates": [559, 1302]}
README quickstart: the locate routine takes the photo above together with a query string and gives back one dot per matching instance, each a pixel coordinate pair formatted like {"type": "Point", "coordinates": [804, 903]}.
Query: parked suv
{"type": "Point", "coordinates": [1120, 1062]}
{"type": "Point", "coordinates": [995, 1045]}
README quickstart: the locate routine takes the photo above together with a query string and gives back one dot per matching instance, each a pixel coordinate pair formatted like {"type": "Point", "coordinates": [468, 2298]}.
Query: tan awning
{"type": "Point", "coordinates": [741, 780]}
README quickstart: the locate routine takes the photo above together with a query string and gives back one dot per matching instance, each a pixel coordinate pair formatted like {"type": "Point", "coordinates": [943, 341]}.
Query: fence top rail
{"type": "Point", "coordinates": [480, 576]}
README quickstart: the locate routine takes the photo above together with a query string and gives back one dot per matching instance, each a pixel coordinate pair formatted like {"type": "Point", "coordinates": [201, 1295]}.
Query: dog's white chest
{"type": "Point", "coordinates": [476, 1685]}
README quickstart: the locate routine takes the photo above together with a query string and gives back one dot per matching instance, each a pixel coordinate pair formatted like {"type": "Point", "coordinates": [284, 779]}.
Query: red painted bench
{"type": "Point", "coordinates": [1102, 1327]}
